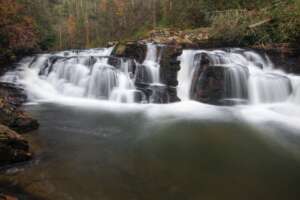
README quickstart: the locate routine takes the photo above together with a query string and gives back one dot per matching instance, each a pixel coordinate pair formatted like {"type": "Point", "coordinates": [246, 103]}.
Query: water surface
{"type": "Point", "coordinates": [148, 153]}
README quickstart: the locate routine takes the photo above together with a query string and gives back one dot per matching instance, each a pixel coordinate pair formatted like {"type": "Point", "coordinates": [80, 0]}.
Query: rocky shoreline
{"type": "Point", "coordinates": [14, 122]}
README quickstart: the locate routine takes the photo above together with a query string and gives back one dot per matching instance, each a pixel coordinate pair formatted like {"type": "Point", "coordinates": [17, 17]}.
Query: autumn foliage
{"type": "Point", "coordinates": [65, 24]}
{"type": "Point", "coordinates": [17, 31]}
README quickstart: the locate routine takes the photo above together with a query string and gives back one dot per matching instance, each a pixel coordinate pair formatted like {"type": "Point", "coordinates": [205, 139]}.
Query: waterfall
{"type": "Point", "coordinates": [225, 77]}
{"type": "Point", "coordinates": [151, 63]}
{"type": "Point", "coordinates": [186, 73]}
{"type": "Point", "coordinates": [244, 75]}
{"type": "Point", "coordinates": [82, 74]}
{"type": "Point", "coordinates": [125, 90]}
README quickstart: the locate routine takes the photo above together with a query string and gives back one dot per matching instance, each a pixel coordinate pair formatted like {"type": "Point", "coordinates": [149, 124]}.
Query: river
{"type": "Point", "coordinates": [103, 149]}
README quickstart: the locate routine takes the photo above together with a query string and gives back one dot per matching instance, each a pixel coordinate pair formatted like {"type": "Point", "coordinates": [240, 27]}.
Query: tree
{"type": "Point", "coordinates": [17, 31]}
{"type": "Point", "coordinates": [71, 28]}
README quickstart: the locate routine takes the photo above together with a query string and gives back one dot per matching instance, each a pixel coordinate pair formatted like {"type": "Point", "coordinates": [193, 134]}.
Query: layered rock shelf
{"type": "Point", "coordinates": [13, 121]}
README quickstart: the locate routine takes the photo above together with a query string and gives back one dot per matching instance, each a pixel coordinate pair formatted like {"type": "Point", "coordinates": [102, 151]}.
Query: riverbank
{"type": "Point", "coordinates": [14, 123]}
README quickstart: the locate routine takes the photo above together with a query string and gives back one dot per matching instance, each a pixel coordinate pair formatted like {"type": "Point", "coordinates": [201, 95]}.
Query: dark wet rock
{"type": "Point", "coordinates": [132, 50]}
{"type": "Point", "coordinates": [11, 114]}
{"type": "Point", "coordinates": [16, 119]}
{"type": "Point", "coordinates": [287, 62]}
{"type": "Point", "coordinates": [91, 61]}
{"type": "Point", "coordinates": [208, 86]}
{"type": "Point", "coordinates": [211, 83]}
{"type": "Point", "coordinates": [13, 93]}
{"type": "Point", "coordinates": [159, 94]}
{"type": "Point", "coordinates": [24, 123]}
{"type": "Point", "coordinates": [172, 92]}
{"type": "Point", "coordinates": [170, 65]}
{"type": "Point", "coordinates": [143, 76]}
{"type": "Point", "coordinates": [115, 61]}
{"type": "Point", "coordinates": [10, 189]}
{"type": "Point", "coordinates": [13, 147]}
{"type": "Point", "coordinates": [139, 96]}
{"type": "Point", "coordinates": [48, 65]}
{"type": "Point", "coordinates": [163, 95]}
{"type": "Point", "coordinates": [134, 53]}
{"type": "Point", "coordinates": [7, 197]}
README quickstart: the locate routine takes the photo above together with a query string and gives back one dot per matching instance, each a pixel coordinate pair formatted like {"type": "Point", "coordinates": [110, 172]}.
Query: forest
{"type": "Point", "coordinates": [39, 25]}
{"type": "Point", "coordinates": [149, 99]}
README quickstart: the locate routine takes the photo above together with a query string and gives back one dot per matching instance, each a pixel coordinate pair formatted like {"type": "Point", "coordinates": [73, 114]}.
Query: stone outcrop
{"type": "Point", "coordinates": [169, 70]}
{"type": "Point", "coordinates": [13, 147]}
{"type": "Point", "coordinates": [287, 60]}
{"type": "Point", "coordinates": [208, 82]}
{"type": "Point", "coordinates": [13, 120]}
{"type": "Point", "coordinates": [170, 65]}
{"type": "Point", "coordinates": [11, 115]}
{"type": "Point", "coordinates": [132, 50]}
{"type": "Point", "coordinates": [211, 83]}
{"type": "Point", "coordinates": [173, 36]}
{"type": "Point", "coordinates": [135, 53]}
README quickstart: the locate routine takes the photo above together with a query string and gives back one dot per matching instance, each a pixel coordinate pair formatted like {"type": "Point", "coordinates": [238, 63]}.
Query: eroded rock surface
{"type": "Point", "coordinates": [11, 98]}
{"type": "Point", "coordinates": [13, 147]}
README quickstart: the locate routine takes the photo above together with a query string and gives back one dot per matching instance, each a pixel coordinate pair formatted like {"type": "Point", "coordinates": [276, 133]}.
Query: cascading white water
{"type": "Point", "coordinates": [273, 96]}
{"type": "Point", "coordinates": [151, 63]}
{"type": "Point", "coordinates": [125, 92]}
{"type": "Point", "coordinates": [87, 74]}
{"type": "Point", "coordinates": [264, 84]}
{"type": "Point", "coordinates": [185, 74]}
{"type": "Point", "coordinates": [84, 74]}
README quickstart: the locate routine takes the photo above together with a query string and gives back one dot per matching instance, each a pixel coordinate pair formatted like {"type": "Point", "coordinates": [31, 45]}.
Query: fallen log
{"type": "Point", "coordinates": [260, 23]}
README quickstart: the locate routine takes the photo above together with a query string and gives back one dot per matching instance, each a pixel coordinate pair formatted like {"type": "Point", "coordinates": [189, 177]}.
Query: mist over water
{"type": "Point", "coordinates": [103, 143]}
{"type": "Point", "coordinates": [84, 78]}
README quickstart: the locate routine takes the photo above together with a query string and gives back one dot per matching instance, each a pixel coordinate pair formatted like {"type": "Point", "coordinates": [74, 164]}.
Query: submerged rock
{"type": "Point", "coordinates": [13, 147]}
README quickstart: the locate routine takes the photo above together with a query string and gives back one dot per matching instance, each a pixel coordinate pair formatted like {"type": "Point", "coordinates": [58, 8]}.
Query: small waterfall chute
{"type": "Point", "coordinates": [103, 80]}
{"type": "Point", "coordinates": [151, 64]}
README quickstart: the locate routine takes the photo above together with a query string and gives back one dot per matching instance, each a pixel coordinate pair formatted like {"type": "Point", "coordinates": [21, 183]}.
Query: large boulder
{"type": "Point", "coordinates": [218, 84]}
{"type": "Point", "coordinates": [13, 147]}
{"type": "Point", "coordinates": [169, 65]}
{"type": "Point", "coordinates": [132, 50]}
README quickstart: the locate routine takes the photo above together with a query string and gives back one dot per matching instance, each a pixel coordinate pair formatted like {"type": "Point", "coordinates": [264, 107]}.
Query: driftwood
{"type": "Point", "coordinates": [260, 23]}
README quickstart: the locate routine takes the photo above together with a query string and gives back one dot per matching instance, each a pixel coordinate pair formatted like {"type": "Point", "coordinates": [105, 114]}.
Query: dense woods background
{"type": "Point", "coordinates": [27, 25]}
